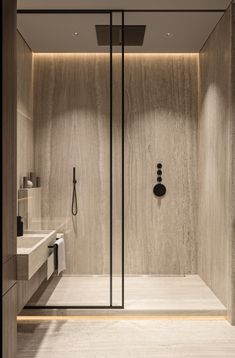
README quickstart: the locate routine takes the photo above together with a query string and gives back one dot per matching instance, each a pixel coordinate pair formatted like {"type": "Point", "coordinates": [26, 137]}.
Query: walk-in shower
{"type": "Point", "coordinates": [115, 143]}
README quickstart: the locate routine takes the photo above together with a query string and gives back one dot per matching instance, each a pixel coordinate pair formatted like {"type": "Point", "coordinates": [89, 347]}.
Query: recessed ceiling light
{"type": "Point", "coordinates": [169, 34]}
{"type": "Point", "coordinates": [75, 34]}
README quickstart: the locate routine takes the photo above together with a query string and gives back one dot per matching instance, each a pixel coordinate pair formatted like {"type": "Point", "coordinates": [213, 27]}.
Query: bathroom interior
{"type": "Point", "coordinates": [124, 160]}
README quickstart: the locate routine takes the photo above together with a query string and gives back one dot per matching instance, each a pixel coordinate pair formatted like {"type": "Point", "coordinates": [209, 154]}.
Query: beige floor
{"type": "Point", "coordinates": [142, 293]}
{"type": "Point", "coordinates": [127, 339]}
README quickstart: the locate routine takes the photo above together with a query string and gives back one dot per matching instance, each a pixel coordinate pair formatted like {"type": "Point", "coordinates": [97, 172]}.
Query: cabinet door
{"type": "Point", "coordinates": [9, 324]}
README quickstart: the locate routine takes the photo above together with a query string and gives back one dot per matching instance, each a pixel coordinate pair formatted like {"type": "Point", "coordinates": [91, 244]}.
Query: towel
{"type": "Point", "coordinates": [60, 255]}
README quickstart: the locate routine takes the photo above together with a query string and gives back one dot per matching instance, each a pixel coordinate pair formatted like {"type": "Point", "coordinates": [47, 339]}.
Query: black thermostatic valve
{"type": "Point", "coordinates": [159, 190]}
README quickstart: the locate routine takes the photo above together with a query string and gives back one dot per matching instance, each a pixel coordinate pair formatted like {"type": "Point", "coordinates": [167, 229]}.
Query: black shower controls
{"type": "Point", "coordinates": [159, 190]}
{"type": "Point", "coordinates": [159, 172]}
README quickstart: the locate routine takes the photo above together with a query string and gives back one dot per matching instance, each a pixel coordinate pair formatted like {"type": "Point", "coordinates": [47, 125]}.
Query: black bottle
{"type": "Point", "coordinates": [20, 226]}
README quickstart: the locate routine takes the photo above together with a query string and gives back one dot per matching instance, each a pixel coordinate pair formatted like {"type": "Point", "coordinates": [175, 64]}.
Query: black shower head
{"type": "Point", "coordinates": [133, 35]}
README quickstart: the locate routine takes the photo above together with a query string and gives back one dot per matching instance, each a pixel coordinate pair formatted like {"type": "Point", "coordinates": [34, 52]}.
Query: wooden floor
{"type": "Point", "coordinates": [181, 295]}
{"type": "Point", "coordinates": [126, 339]}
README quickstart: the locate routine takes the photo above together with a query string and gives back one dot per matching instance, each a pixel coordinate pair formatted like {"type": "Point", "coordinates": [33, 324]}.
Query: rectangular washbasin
{"type": "Point", "coordinates": [28, 242]}
{"type": "Point", "coordinates": [33, 251]}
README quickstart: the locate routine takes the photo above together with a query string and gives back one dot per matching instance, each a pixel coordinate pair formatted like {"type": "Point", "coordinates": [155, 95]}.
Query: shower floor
{"type": "Point", "coordinates": [146, 294]}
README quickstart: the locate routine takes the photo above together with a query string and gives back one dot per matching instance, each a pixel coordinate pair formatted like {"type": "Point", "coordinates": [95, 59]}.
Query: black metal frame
{"type": "Point", "coordinates": [123, 158]}
{"type": "Point", "coordinates": [110, 12]}
{"type": "Point", "coordinates": [111, 157]}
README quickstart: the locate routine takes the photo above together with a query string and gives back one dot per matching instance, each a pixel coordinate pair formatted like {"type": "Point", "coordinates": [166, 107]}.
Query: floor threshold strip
{"type": "Point", "coordinates": [30, 319]}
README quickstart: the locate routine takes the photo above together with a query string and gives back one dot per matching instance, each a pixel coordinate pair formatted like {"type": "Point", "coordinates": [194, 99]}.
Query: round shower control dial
{"type": "Point", "coordinates": [159, 190]}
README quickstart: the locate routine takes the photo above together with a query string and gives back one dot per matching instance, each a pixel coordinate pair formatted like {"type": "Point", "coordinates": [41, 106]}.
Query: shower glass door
{"type": "Point", "coordinates": [78, 74]}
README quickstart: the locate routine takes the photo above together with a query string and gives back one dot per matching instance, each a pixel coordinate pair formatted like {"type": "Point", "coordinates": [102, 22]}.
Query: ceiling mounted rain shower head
{"type": "Point", "coordinates": [133, 35]}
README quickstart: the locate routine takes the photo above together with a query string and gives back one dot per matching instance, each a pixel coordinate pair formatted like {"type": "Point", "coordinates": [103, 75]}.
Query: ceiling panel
{"type": "Point", "coordinates": [123, 4]}
{"type": "Point", "coordinates": [55, 32]}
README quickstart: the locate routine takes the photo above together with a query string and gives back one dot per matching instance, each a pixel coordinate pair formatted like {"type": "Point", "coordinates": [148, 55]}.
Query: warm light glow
{"type": "Point", "coordinates": [30, 319]}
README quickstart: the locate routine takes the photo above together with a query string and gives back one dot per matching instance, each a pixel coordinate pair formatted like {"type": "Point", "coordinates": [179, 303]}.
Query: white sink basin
{"type": "Point", "coordinates": [32, 252]}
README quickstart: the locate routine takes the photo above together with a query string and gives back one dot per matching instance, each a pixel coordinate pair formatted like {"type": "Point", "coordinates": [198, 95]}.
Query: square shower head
{"type": "Point", "coordinates": [133, 35]}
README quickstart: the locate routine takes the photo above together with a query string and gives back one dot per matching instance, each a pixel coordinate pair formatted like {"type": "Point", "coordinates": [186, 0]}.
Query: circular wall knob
{"type": "Point", "coordinates": [159, 165]}
{"type": "Point", "coordinates": [159, 190]}
{"type": "Point", "coordinates": [159, 179]}
{"type": "Point", "coordinates": [159, 172]}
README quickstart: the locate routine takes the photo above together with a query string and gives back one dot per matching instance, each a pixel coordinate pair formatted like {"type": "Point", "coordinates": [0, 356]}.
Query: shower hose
{"type": "Point", "coordinates": [74, 196]}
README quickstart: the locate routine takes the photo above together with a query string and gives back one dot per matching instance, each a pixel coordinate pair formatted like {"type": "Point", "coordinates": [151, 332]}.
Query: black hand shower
{"type": "Point", "coordinates": [74, 197]}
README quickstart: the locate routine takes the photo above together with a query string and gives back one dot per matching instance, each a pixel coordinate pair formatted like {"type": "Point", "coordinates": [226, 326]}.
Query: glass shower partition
{"type": "Point", "coordinates": [78, 73]}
